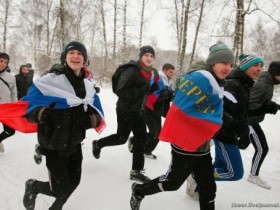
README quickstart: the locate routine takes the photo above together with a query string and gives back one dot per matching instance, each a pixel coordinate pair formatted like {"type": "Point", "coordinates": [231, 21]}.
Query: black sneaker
{"type": "Point", "coordinates": [135, 199]}
{"type": "Point", "coordinates": [29, 197]}
{"type": "Point", "coordinates": [139, 176]}
{"type": "Point", "coordinates": [95, 150]}
{"type": "Point", "coordinates": [150, 155]}
{"type": "Point", "coordinates": [37, 155]}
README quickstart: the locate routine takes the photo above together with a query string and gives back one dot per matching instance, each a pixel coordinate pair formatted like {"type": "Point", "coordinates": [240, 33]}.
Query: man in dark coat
{"type": "Point", "coordinates": [132, 89]}
{"type": "Point", "coordinates": [159, 108]}
{"type": "Point", "coordinates": [24, 81]}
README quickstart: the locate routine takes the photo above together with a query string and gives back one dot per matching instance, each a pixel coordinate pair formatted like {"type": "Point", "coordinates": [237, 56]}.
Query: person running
{"type": "Point", "coordinates": [157, 106]}
{"type": "Point", "coordinates": [197, 109]}
{"type": "Point", "coordinates": [132, 90]}
{"type": "Point", "coordinates": [64, 105]}
{"type": "Point", "coordinates": [261, 104]}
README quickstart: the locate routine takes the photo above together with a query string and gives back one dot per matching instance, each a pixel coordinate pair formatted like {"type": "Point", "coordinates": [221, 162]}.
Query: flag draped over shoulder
{"type": "Point", "coordinates": [46, 90]}
{"type": "Point", "coordinates": [163, 83]}
{"type": "Point", "coordinates": [196, 113]}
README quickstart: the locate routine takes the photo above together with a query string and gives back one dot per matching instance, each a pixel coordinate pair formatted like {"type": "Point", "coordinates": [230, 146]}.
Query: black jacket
{"type": "Point", "coordinates": [261, 94]}
{"type": "Point", "coordinates": [132, 89]}
{"type": "Point", "coordinates": [65, 128]}
{"type": "Point", "coordinates": [23, 81]}
{"type": "Point", "coordinates": [235, 114]}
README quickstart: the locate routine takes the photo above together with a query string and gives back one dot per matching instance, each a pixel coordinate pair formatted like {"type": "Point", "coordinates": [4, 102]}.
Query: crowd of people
{"type": "Point", "coordinates": [211, 102]}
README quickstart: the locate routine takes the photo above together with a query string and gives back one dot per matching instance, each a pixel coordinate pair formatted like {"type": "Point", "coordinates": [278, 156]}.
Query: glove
{"type": "Point", "coordinates": [95, 120]}
{"type": "Point", "coordinates": [45, 112]}
{"type": "Point", "coordinates": [154, 87]}
{"type": "Point", "coordinates": [97, 89]}
{"type": "Point", "coordinates": [271, 107]}
{"type": "Point", "coordinates": [170, 94]}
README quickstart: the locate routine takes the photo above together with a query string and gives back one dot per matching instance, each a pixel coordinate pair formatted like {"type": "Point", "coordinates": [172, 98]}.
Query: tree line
{"type": "Point", "coordinates": [36, 31]}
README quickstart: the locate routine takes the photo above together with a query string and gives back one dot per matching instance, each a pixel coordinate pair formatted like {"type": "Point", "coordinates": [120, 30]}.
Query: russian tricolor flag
{"type": "Point", "coordinates": [163, 83]}
{"type": "Point", "coordinates": [196, 113]}
{"type": "Point", "coordinates": [44, 91]}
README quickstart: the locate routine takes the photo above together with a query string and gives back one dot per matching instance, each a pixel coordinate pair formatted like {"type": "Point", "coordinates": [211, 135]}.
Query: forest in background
{"type": "Point", "coordinates": [36, 31]}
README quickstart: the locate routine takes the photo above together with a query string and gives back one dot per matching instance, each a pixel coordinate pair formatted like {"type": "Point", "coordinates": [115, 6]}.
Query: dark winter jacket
{"type": "Point", "coordinates": [261, 95]}
{"type": "Point", "coordinates": [132, 89]}
{"type": "Point", "coordinates": [64, 129]}
{"type": "Point", "coordinates": [24, 81]}
{"type": "Point", "coordinates": [235, 114]}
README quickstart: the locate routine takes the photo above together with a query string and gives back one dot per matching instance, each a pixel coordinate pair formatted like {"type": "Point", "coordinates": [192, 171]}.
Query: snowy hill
{"type": "Point", "coordinates": [105, 183]}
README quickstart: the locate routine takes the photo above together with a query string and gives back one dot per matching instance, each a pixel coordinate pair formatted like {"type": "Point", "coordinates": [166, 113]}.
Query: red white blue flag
{"type": "Point", "coordinates": [46, 90]}
{"type": "Point", "coordinates": [163, 83]}
{"type": "Point", "coordinates": [196, 113]}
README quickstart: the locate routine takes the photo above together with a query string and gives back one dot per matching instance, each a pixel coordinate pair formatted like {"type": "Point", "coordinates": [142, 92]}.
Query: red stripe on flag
{"type": "Point", "coordinates": [185, 131]}
{"type": "Point", "coordinates": [11, 115]}
{"type": "Point", "coordinates": [151, 99]}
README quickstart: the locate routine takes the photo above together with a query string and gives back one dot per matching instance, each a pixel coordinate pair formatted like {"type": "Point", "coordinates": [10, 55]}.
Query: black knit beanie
{"type": "Point", "coordinates": [274, 68]}
{"type": "Point", "coordinates": [74, 45]}
{"type": "Point", "coordinates": [146, 49]}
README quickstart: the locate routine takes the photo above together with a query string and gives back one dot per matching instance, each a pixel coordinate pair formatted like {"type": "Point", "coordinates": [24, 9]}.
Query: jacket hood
{"type": "Point", "coordinates": [266, 77]}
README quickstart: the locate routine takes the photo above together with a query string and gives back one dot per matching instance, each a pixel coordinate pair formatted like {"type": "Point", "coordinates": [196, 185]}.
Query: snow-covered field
{"type": "Point", "coordinates": [105, 183]}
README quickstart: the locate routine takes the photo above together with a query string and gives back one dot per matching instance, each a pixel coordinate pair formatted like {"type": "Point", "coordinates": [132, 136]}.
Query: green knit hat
{"type": "Point", "coordinates": [248, 60]}
{"type": "Point", "coordinates": [219, 53]}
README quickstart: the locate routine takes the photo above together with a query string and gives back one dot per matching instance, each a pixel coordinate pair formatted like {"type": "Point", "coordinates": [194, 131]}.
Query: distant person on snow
{"type": "Point", "coordinates": [23, 80]}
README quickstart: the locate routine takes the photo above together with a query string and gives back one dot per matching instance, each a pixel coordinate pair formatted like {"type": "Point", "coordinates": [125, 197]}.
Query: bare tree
{"type": "Point", "coordinates": [62, 23]}
{"type": "Point", "coordinates": [115, 29]}
{"type": "Point", "coordinates": [239, 30]}
{"type": "Point", "coordinates": [142, 23]}
{"type": "Point", "coordinates": [102, 12]}
{"type": "Point", "coordinates": [6, 6]}
{"type": "Point", "coordinates": [183, 37]}
{"type": "Point", "coordinates": [196, 32]}
{"type": "Point", "coordinates": [124, 31]}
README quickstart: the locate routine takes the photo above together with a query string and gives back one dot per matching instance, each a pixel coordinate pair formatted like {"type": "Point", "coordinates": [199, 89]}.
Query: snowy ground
{"type": "Point", "coordinates": [105, 183]}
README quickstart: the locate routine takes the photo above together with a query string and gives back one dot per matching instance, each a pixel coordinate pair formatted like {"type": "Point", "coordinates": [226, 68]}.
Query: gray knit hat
{"type": "Point", "coordinates": [219, 53]}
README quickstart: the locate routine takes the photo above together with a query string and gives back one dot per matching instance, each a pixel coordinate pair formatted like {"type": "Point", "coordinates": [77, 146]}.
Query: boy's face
{"type": "Point", "coordinates": [3, 63]}
{"type": "Point", "coordinates": [148, 59]}
{"type": "Point", "coordinates": [254, 71]}
{"type": "Point", "coordinates": [75, 60]}
{"type": "Point", "coordinates": [169, 73]}
{"type": "Point", "coordinates": [221, 70]}
{"type": "Point", "coordinates": [25, 70]}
